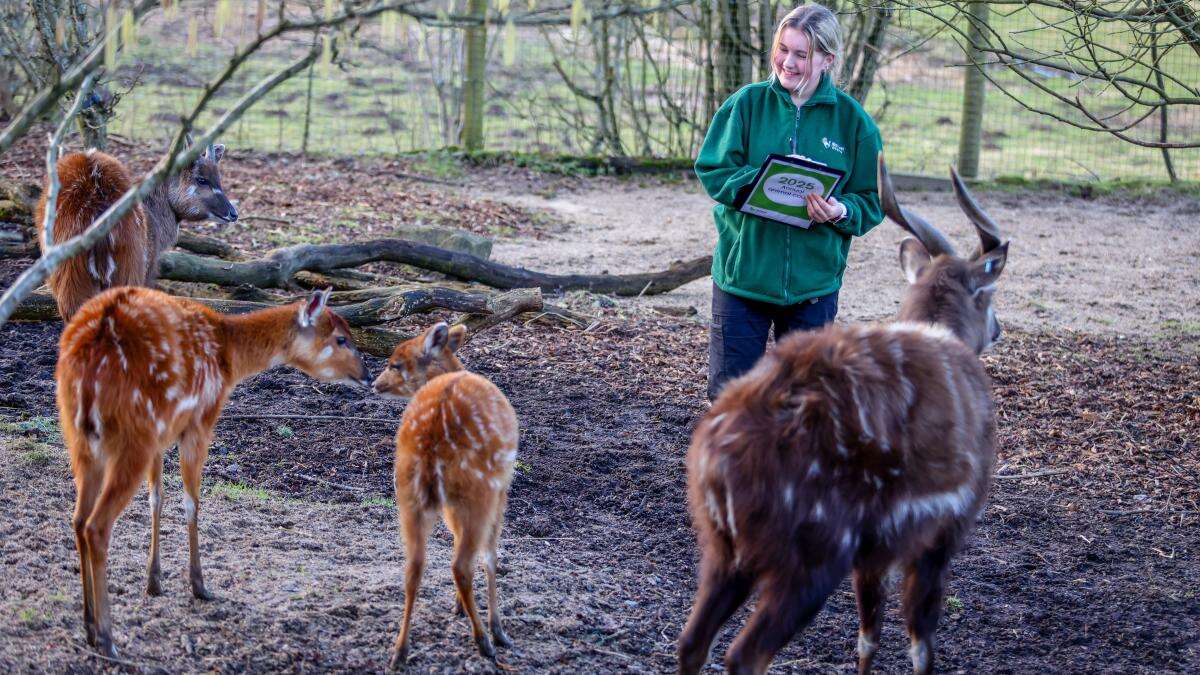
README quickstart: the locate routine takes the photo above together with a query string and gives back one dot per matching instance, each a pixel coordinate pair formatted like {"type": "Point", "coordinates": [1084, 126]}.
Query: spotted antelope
{"type": "Point", "coordinates": [455, 451]}
{"type": "Point", "coordinates": [852, 449]}
{"type": "Point", "coordinates": [139, 370]}
{"type": "Point", "coordinates": [91, 182]}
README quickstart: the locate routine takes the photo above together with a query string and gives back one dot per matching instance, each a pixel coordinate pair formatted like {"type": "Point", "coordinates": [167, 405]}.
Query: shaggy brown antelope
{"type": "Point", "coordinates": [855, 448]}
{"type": "Point", "coordinates": [455, 450]}
{"type": "Point", "coordinates": [91, 182]}
{"type": "Point", "coordinates": [139, 370]}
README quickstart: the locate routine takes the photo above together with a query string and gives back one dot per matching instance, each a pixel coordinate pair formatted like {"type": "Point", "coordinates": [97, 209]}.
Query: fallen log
{"type": "Point", "coordinates": [40, 306]}
{"type": "Point", "coordinates": [503, 307]}
{"type": "Point", "coordinates": [277, 268]}
{"type": "Point", "coordinates": [198, 243]}
{"type": "Point", "coordinates": [12, 249]}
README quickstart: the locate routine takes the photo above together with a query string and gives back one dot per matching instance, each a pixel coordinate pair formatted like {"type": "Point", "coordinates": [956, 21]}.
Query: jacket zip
{"type": "Point", "coordinates": [787, 248]}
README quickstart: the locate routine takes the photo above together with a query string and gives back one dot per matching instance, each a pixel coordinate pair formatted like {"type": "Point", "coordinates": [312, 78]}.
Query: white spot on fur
{"type": "Point", "coordinates": [189, 507]}
{"type": "Point", "coordinates": [327, 372]}
{"type": "Point", "coordinates": [186, 405]}
{"type": "Point", "coordinates": [325, 353]}
{"type": "Point", "coordinates": [730, 519]}
{"type": "Point", "coordinates": [160, 427]}
{"type": "Point", "coordinates": [789, 496]}
{"type": "Point", "coordinates": [932, 331]}
{"type": "Point", "coordinates": [495, 483]}
{"type": "Point", "coordinates": [818, 511]}
{"type": "Point", "coordinates": [814, 470]}
{"type": "Point", "coordinates": [919, 652]}
{"type": "Point", "coordinates": [866, 646]}
{"type": "Point", "coordinates": [918, 509]}
{"type": "Point", "coordinates": [155, 499]}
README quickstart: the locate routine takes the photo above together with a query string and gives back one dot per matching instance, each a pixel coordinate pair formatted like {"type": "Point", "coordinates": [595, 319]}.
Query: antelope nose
{"type": "Point", "coordinates": [233, 213]}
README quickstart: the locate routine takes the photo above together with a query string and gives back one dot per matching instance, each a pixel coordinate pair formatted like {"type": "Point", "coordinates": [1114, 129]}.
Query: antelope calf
{"type": "Point", "coordinates": [139, 370]}
{"type": "Point", "coordinates": [455, 450]}
{"type": "Point", "coordinates": [853, 448]}
{"type": "Point", "coordinates": [91, 182]}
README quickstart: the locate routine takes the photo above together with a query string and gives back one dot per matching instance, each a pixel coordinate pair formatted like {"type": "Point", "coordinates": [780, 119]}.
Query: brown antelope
{"type": "Point", "coordinates": [855, 448]}
{"type": "Point", "coordinates": [455, 450]}
{"type": "Point", "coordinates": [139, 370]}
{"type": "Point", "coordinates": [91, 182]}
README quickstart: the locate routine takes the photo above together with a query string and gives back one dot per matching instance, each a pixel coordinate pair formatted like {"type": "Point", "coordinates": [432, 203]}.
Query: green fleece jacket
{"type": "Point", "coordinates": [765, 260]}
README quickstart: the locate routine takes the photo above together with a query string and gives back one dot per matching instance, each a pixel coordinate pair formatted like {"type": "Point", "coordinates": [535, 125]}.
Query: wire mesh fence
{"type": "Point", "coordinates": [638, 86]}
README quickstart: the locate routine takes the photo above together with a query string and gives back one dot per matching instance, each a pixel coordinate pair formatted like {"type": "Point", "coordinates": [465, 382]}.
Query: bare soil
{"type": "Point", "coordinates": [1084, 561]}
{"type": "Point", "coordinates": [1111, 265]}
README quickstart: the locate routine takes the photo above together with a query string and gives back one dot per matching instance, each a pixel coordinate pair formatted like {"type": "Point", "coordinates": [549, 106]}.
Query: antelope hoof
{"type": "Point", "coordinates": [500, 638]}
{"type": "Point", "coordinates": [399, 659]}
{"type": "Point", "coordinates": [105, 647]}
{"type": "Point", "coordinates": [486, 650]}
{"type": "Point", "coordinates": [199, 592]}
{"type": "Point", "coordinates": [154, 585]}
{"type": "Point", "coordinates": [458, 608]}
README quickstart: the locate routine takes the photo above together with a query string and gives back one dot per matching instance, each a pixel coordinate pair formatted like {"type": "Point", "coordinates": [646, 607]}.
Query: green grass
{"type": "Point", "coordinates": [953, 604]}
{"type": "Point", "coordinates": [238, 491]}
{"type": "Point", "coordinates": [379, 501]}
{"type": "Point", "coordinates": [284, 431]}
{"type": "Point", "coordinates": [382, 107]}
{"type": "Point", "coordinates": [1172, 327]}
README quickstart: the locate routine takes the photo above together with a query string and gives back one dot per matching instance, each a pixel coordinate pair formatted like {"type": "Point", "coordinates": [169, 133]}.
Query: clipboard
{"type": "Point", "coordinates": [781, 185]}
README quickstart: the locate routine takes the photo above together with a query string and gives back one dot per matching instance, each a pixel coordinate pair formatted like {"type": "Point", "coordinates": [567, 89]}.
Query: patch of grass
{"type": "Point", "coordinates": [522, 467]}
{"type": "Point", "coordinates": [284, 431]}
{"type": "Point", "coordinates": [442, 165]}
{"type": "Point", "coordinates": [1131, 188]}
{"type": "Point", "coordinates": [39, 455]}
{"type": "Point", "coordinates": [1179, 327]}
{"type": "Point", "coordinates": [953, 604]}
{"type": "Point", "coordinates": [238, 491]}
{"type": "Point", "coordinates": [379, 501]}
{"type": "Point", "coordinates": [32, 617]}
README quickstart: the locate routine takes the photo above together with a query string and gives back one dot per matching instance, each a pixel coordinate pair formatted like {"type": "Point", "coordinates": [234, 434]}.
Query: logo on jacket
{"type": "Point", "coordinates": [832, 145]}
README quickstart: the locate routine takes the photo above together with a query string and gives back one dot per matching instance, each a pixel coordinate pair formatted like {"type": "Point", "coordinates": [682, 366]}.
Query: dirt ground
{"type": "Point", "coordinates": [1084, 561]}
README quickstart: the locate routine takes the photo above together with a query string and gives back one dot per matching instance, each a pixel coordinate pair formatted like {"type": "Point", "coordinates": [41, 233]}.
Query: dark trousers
{"type": "Point", "coordinates": [737, 337]}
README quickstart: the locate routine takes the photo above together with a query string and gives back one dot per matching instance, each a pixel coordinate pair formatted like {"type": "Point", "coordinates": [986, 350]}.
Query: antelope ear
{"type": "Point", "coordinates": [913, 259]}
{"type": "Point", "coordinates": [188, 140]}
{"type": "Point", "coordinates": [311, 310]}
{"type": "Point", "coordinates": [216, 152]}
{"type": "Point", "coordinates": [987, 268]}
{"type": "Point", "coordinates": [435, 338]}
{"type": "Point", "coordinates": [455, 340]}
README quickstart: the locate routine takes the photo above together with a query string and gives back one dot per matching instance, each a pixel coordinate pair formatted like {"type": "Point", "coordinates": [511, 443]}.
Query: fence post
{"type": "Point", "coordinates": [473, 90]}
{"type": "Point", "coordinates": [974, 86]}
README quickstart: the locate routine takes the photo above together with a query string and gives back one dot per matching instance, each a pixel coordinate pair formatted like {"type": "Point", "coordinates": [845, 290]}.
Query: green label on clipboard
{"type": "Point", "coordinates": [781, 186]}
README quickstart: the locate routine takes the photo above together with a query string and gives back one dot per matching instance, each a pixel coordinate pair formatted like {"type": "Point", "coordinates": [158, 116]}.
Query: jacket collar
{"type": "Point", "coordinates": [823, 94]}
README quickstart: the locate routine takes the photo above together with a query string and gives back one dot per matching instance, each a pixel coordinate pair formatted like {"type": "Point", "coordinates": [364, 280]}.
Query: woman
{"type": "Point", "coordinates": [766, 273]}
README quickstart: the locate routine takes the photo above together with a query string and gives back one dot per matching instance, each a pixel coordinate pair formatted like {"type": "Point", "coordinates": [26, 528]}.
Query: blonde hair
{"type": "Point", "coordinates": [821, 28]}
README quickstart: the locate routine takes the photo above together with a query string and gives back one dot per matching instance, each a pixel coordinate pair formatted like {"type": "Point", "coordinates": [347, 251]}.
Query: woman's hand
{"type": "Point", "coordinates": [824, 210]}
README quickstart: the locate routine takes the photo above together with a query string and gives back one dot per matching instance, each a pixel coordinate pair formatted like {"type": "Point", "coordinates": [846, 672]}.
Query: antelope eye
{"type": "Point", "coordinates": [394, 366]}
{"type": "Point", "coordinates": [201, 180]}
{"type": "Point", "coordinates": [341, 341]}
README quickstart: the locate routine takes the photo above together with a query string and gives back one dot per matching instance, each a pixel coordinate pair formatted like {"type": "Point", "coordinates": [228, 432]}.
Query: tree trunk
{"type": "Point", "coordinates": [735, 65]}
{"type": "Point", "coordinates": [974, 88]}
{"type": "Point", "coordinates": [474, 89]}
